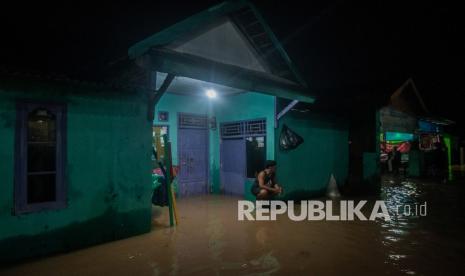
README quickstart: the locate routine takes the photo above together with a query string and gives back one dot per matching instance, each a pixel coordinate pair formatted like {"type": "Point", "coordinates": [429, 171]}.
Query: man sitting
{"type": "Point", "coordinates": [265, 187]}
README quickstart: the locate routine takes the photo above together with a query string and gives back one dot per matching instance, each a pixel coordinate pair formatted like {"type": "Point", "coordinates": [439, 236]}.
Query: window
{"type": "Point", "coordinates": [40, 157]}
{"type": "Point", "coordinates": [255, 148]}
{"type": "Point", "coordinates": [243, 128]}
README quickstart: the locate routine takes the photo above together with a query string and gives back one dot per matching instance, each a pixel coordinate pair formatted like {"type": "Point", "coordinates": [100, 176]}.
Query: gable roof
{"type": "Point", "coordinates": [407, 98]}
{"type": "Point", "coordinates": [242, 39]}
{"type": "Point", "coordinates": [222, 42]}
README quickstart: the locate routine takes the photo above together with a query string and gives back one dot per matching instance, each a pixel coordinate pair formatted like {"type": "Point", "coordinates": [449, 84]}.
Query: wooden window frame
{"type": "Point", "coordinates": [21, 157]}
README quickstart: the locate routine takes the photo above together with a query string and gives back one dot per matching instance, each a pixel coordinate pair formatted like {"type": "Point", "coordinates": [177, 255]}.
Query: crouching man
{"type": "Point", "coordinates": [265, 187]}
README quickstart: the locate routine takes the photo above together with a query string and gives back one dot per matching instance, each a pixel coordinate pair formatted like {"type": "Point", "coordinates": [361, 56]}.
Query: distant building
{"type": "Point", "coordinates": [407, 124]}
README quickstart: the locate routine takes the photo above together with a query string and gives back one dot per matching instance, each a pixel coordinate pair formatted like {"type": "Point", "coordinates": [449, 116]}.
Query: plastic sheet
{"type": "Point", "coordinates": [288, 139]}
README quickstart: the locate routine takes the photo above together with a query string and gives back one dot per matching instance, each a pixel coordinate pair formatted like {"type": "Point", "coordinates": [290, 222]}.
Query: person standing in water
{"type": "Point", "coordinates": [265, 186]}
{"type": "Point", "coordinates": [396, 160]}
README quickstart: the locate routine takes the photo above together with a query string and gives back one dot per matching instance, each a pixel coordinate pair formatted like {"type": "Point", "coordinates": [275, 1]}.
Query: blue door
{"type": "Point", "coordinates": [193, 161]}
{"type": "Point", "coordinates": [233, 166]}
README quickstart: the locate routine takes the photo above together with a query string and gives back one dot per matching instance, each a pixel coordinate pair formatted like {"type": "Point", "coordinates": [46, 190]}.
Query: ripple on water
{"type": "Point", "coordinates": [397, 257]}
{"type": "Point", "coordinates": [392, 238]}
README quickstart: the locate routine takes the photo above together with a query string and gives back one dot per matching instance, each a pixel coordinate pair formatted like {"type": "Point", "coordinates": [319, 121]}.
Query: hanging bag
{"type": "Point", "coordinates": [288, 139]}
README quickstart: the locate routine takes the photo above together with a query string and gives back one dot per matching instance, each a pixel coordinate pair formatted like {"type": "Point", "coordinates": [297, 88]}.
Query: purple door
{"type": "Point", "coordinates": [233, 165]}
{"type": "Point", "coordinates": [193, 161]}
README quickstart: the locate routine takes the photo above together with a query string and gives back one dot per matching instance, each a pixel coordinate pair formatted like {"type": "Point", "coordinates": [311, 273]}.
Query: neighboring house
{"type": "Point", "coordinates": [75, 165]}
{"type": "Point", "coordinates": [407, 123]}
{"type": "Point", "coordinates": [404, 109]}
{"type": "Point", "coordinates": [77, 159]}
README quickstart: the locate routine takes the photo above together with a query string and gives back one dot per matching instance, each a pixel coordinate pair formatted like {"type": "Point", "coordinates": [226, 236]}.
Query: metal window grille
{"type": "Point", "coordinates": [230, 130]}
{"type": "Point", "coordinates": [243, 129]}
{"type": "Point", "coordinates": [255, 127]}
{"type": "Point", "coordinates": [192, 121]}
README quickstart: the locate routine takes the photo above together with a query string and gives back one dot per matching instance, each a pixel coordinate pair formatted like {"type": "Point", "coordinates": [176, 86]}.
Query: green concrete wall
{"type": "Point", "coordinates": [305, 171]}
{"type": "Point", "coordinates": [448, 144]}
{"type": "Point", "coordinates": [415, 163]}
{"type": "Point", "coordinates": [174, 104]}
{"type": "Point", "coordinates": [108, 171]}
{"type": "Point", "coordinates": [238, 107]}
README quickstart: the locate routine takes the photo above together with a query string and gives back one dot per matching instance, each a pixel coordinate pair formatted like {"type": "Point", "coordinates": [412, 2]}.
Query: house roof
{"type": "Point", "coordinates": [408, 99]}
{"type": "Point", "coordinates": [122, 77]}
{"type": "Point", "coordinates": [232, 37]}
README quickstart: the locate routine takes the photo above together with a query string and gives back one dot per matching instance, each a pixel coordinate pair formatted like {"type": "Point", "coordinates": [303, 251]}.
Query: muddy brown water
{"type": "Point", "coordinates": [211, 241]}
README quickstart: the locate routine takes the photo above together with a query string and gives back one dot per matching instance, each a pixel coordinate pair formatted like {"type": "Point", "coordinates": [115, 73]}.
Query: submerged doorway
{"type": "Point", "coordinates": [233, 166]}
{"type": "Point", "coordinates": [243, 153]}
{"type": "Point", "coordinates": [192, 154]}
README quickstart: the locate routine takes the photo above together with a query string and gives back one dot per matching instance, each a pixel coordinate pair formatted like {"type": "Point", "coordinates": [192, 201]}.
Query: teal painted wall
{"type": "Point", "coordinates": [174, 104]}
{"type": "Point", "coordinates": [226, 109]}
{"type": "Point", "coordinates": [239, 107]}
{"type": "Point", "coordinates": [108, 171]}
{"type": "Point", "coordinates": [305, 171]}
{"type": "Point", "coordinates": [415, 163]}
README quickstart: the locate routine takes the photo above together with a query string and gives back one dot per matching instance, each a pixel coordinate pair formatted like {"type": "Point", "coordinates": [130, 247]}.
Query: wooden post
{"type": "Point", "coordinates": [168, 176]}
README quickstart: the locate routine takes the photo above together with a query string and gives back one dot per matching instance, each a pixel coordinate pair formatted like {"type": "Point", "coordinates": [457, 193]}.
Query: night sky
{"type": "Point", "coordinates": [343, 50]}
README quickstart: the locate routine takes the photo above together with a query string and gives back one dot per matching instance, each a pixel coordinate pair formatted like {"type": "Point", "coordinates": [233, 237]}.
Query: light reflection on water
{"type": "Point", "coordinates": [419, 244]}
{"type": "Point", "coordinates": [211, 241]}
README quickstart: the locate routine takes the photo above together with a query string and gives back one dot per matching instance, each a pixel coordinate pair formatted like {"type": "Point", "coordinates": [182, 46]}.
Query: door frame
{"type": "Point", "coordinates": [206, 129]}
{"type": "Point", "coordinates": [243, 137]}
{"type": "Point", "coordinates": [222, 188]}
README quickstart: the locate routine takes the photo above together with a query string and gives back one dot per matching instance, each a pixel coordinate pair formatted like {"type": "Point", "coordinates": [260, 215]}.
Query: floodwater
{"type": "Point", "coordinates": [211, 241]}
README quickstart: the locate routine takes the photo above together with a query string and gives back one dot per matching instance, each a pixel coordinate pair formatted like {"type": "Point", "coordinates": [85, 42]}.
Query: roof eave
{"type": "Point", "coordinates": [168, 61]}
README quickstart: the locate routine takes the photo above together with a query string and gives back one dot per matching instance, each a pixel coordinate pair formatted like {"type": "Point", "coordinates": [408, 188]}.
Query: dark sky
{"type": "Point", "coordinates": [342, 49]}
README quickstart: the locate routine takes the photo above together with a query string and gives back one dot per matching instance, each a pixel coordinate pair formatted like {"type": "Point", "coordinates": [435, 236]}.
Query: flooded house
{"type": "Point", "coordinates": [225, 88]}
{"type": "Point", "coordinates": [75, 168]}
{"type": "Point", "coordinates": [407, 125]}
{"type": "Point", "coordinates": [77, 155]}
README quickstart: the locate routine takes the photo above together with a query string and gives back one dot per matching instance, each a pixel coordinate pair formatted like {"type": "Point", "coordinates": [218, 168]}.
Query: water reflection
{"type": "Point", "coordinates": [418, 244]}
{"type": "Point", "coordinates": [211, 241]}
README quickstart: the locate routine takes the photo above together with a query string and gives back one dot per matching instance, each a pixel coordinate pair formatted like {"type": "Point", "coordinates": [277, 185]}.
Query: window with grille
{"type": "Point", "coordinates": [230, 130]}
{"type": "Point", "coordinates": [243, 129]}
{"type": "Point", "coordinates": [256, 127]}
